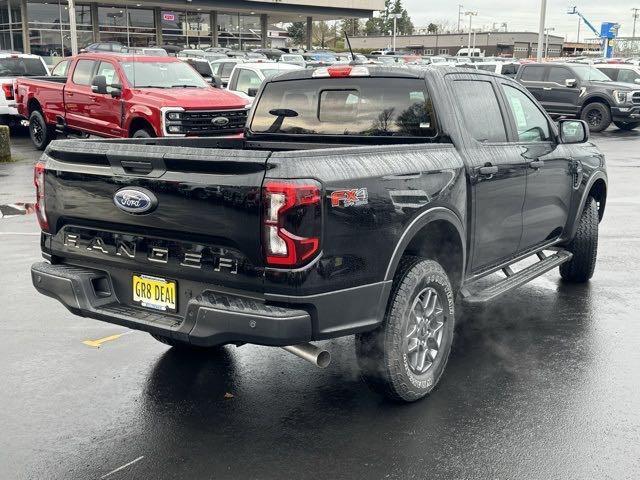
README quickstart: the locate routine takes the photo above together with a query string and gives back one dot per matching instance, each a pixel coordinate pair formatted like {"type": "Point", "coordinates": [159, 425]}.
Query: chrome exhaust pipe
{"type": "Point", "coordinates": [309, 352]}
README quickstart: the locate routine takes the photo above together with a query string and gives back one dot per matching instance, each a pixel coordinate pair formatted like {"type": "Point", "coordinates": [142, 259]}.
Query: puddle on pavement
{"type": "Point", "coordinates": [15, 209]}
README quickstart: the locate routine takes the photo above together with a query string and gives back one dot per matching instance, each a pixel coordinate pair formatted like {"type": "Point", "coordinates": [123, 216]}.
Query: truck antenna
{"type": "Point", "coordinates": [353, 57]}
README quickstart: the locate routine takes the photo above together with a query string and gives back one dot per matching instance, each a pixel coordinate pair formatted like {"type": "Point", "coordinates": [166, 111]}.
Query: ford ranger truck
{"type": "Point", "coordinates": [126, 96]}
{"type": "Point", "coordinates": [361, 201]}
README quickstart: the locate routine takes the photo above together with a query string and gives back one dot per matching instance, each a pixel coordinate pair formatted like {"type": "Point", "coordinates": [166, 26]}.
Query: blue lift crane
{"type": "Point", "coordinates": [608, 31]}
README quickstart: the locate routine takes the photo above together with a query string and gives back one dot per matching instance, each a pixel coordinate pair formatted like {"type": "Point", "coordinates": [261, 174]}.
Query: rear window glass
{"type": "Point", "coordinates": [18, 67]}
{"type": "Point", "coordinates": [346, 107]}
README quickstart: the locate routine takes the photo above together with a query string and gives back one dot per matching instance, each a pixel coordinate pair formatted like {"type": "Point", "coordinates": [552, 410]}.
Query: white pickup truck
{"type": "Point", "coordinates": [13, 65]}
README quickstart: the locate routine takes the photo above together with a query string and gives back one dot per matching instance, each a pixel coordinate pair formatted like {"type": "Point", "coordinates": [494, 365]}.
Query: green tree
{"type": "Point", "coordinates": [351, 26]}
{"type": "Point", "coordinates": [321, 33]}
{"type": "Point", "coordinates": [297, 32]}
{"type": "Point", "coordinates": [432, 28]}
{"type": "Point", "coordinates": [374, 26]}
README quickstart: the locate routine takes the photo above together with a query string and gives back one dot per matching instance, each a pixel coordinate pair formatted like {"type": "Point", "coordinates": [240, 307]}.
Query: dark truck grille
{"type": "Point", "coordinates": [636, 98]}
{"type": "Point", "coordinates": [203, 123]}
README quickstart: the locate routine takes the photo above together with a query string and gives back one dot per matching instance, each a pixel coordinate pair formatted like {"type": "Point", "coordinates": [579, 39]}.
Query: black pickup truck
{"type": "Point", "coordinates": [361, 201]}
{"type": "Point", "coordinates": [582, 91]}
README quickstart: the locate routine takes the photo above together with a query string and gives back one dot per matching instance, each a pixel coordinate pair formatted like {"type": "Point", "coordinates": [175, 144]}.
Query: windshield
{"type": "Point", "coordinates": [588, 73]}
{"type": "Point", "coordinates": [345, 107]}
{"type": "Point", "coordinates": [162, 75]}
{"type": "Point", "coordinates": [16, 67]}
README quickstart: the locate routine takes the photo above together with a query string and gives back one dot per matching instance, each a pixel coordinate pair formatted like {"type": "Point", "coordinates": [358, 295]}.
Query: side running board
{"type": "Point", "coordinates": [514, 280]}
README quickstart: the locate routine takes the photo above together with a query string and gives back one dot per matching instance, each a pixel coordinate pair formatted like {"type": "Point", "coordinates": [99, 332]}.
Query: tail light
{"type": "Point", "coordinates": [7, 88]}
{"type": "Point", "coordinates": [292, 217]}
{"type": "Point", "coordinates": [38, 180]}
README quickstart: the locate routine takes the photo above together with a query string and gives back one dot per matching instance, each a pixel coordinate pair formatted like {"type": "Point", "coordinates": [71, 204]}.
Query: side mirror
{"type": "Point", "coordinates": [571, 82]}
{"type": "Point", "coordinates": [252, 92]}
{"type": "Point", "coordinates": [116, 90]}
{"type": "Point", "coordinates": [573, 131]}
{"type": "Point", "coordinates": [637, 80]}
{"type": "Point", "coordinates": [99, 84]}
{"type": "Point", "coordinates": [216, 81]}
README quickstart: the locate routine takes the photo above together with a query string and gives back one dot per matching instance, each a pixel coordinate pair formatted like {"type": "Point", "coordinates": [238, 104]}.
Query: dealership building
{"type": "Point", "coordinates": [42, 27]}
{"type": "Point", "coordinates": [516, 44]}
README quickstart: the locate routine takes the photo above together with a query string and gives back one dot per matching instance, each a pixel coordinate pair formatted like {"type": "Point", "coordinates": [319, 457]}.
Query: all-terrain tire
{"type": "Point", "coordinates": [41, 134]}
{"type": "Point", "coordinates": [383, 355]}
{"type": "Point", "coordinates": [142, 133]}
{"type": "Point", "coordinates": [626, 125]}
{"type": "Point", "coordinates": [597, 115]}
{"type": "Point", "coordinates": [584, 246]}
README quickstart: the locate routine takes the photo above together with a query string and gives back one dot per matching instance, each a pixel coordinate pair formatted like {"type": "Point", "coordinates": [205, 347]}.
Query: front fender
{"type": "Point", "coordinates": [150, 115]}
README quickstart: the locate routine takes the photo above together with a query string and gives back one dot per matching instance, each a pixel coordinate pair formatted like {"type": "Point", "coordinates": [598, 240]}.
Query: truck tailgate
{"type": "Point", "coordinates": [205, 226]}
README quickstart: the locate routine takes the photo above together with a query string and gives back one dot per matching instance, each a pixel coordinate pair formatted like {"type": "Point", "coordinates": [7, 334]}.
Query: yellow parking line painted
{"type": "Point", "coordinates": [100, 341]}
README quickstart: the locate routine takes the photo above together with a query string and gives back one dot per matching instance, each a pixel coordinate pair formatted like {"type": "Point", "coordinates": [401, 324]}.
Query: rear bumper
{"type": "Point", "coordinates": [625, 114]}
{"type": "Point", "coordinates": [215, 317]}
{"type": "Point", "coordinates": [211, 318]}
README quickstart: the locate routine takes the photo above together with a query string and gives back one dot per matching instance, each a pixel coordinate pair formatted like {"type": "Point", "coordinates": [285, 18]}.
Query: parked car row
{"type": "Point", "coordinates": [600, 95]}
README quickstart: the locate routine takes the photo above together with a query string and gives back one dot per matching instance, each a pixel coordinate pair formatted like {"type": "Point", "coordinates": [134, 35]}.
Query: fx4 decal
{"type": "Point", "coordinates": [349, 198]}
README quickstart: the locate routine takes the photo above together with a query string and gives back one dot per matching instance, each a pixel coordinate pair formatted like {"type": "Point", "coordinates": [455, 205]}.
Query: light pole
{"type": "Point", "coordinates": [460, 7]}
{"type": "Point", "coordinates": [395, 17]}
{"type": "Point", "coordinates": [546, 43]}
{"type": "Point", "coordinates": [543, 13]}
{"type": "Point", "coordinates": [635, 18]}
{"type": "Point", "coordinates": [471, 15]}
{"type": "Point", "coordinates": [72, 28]}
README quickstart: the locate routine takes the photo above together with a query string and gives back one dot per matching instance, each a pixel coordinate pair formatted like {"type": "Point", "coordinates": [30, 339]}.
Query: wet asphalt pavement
{"type": "Point", "coordinates": [542, 384]}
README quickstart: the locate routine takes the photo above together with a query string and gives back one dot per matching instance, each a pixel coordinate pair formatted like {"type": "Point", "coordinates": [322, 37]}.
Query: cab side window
{"type": "Point", "coordinates": [108, 70]}
{"type": "Point", "coordinates": [82, 73]}
{"type": "Point", "coordinates": [247, 79]}
{"type": "Point", "coordinates": [61, 69]}
{"type": "Point", "coordinates": [481, 110]}
{"type": "Point", "coordinates": [559, 75]}
{"type": "Point", "coordinates": [531, 123]}
{"type": "Point", "coordinates": [627, 75]}
{"type": "Point", "coordinates": [532, 73]}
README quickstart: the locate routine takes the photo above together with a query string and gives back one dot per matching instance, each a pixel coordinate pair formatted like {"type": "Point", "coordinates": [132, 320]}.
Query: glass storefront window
{"type": "Point", "coordinates": [10, 25]}
{"type": "Point", "coordinates": [49, 34]}
{"type": "Point", "coordinates": [133, 27]}
{"type": "Point", "coordinates": [142, 19]}
{"type": "Point", "coordinates": [112, 18]}
{"type": "Point", "coordinates": [238, 31]}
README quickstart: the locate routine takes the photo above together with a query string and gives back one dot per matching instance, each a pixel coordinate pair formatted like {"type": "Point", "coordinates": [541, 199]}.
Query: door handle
{"type": "Point", "coordinates": [69, 94]}
{"type": "Point", "coordinates": [546, 88]}
{"type": "Point", "coordinates": [488, 170]}
{"type": "Point", "coordinates": [536, 164]}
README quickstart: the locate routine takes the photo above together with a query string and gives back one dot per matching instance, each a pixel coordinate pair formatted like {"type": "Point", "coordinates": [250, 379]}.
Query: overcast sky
{"type": "Point", "coordinates": [523, 15]}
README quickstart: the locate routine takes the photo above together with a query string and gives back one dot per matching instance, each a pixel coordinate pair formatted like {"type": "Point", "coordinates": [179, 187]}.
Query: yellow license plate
{"type": "Point", "coordinates": [154, 292]}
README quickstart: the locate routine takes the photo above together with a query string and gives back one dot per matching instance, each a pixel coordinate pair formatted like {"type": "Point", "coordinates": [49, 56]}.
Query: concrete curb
{"type": "Point", "coordinates": [5, 144]}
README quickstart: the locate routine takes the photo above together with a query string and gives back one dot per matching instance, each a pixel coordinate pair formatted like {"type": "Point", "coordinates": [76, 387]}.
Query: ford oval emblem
{"type": "Point", "coordinates": [135, 200]}
{"type": "Point", "coordinates": [220, 121]}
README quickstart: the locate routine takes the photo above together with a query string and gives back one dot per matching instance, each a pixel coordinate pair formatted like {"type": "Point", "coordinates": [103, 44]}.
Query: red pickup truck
{"type": "Point", "coordinates": [126, 96]}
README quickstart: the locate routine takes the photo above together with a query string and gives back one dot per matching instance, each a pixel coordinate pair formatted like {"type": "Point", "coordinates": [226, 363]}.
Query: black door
{"type": "Point", "coordinates": [560, 98]}
{"type": "Point", "coordinates": [549, 173]}
{"type": "Point", "coordinates": [532, 77]}
{"type": "Point", "coordinates": [497, 172]}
